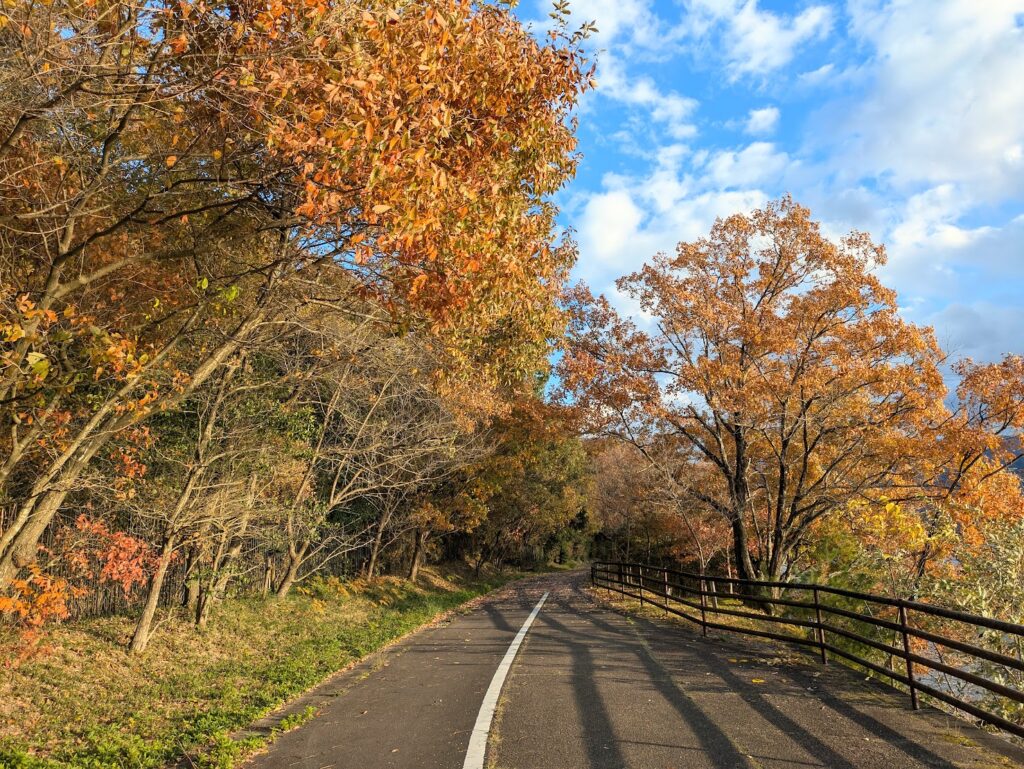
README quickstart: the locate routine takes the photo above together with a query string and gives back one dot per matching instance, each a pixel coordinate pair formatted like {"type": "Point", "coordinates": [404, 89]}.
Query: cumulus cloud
{"type": "Point", "coordinates": [762, 121]}
{"type": "Point", "coordinates": [908, 128]}
{"type": "Point", "coordinates": [757, 163]}
{"type": "Point", "coordinates": [934, 255]}
{"type": "Point", "coordinates": [611, 220]}
{"type": "Point", "coordinates": [635, 217]}
{"type": "Point", "coordinates": [668, 108]}
{"type": "Point", "coordinates": [757, 41]}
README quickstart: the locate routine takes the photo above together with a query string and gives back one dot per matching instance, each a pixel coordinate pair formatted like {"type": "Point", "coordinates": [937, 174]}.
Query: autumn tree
{"type": "Point", "coordinates": [781, 363]}
{"type": "Point", "coordinates": [177, 178]}
{"type": "Point", "coordinates": [966, 487]}
{"type": "Point", "coordinates": [188, 491]}
{"type": "Point", "coordinates": [640, 505]}
{"type": "Point", "coordinates": [381, 419]}
{"type": "Point", "coordinates": [534, 483]}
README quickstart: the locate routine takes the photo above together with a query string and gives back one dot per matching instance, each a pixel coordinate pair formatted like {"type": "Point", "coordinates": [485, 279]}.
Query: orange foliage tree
{"type": "Point", "coordinates": [178, 178]}
{"type": "Point", "coordinates": [781, 364]}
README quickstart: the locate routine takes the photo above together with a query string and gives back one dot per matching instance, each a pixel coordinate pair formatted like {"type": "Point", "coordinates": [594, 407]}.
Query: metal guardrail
{"type": "Point", "coordinates": [699, 592]}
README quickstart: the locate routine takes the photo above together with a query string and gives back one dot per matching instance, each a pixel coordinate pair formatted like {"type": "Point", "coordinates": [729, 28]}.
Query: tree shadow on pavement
{"type": "Point", "coordinates": [596, 722]}
{"type": "Point", "coordinates": [713, 656]}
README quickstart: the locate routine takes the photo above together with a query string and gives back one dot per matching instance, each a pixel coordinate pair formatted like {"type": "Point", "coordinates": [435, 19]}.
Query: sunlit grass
{"type": "Point", "coordinates": [83, 702]}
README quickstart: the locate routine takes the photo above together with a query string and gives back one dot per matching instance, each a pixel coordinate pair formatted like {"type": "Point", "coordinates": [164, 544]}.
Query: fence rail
{"type": "Point", "coordinates": [914, 629]}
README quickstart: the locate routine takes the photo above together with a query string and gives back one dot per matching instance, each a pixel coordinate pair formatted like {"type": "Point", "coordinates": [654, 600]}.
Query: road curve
{"type": "Point", "coordinates": [593, 688]}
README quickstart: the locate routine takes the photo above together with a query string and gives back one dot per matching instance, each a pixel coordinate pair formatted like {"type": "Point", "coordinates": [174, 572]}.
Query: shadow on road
{"type": "Point", "coordinates": [713, 740]}
{"type": "Point", "coordinates": [710, 703]}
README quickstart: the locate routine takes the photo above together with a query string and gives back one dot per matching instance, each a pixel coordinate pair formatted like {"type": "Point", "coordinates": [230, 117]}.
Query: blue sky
{"type": "Point", "coordinates": [904, 118]}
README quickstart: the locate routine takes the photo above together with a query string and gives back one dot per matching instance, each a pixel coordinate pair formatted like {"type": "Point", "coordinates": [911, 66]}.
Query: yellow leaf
{"type": "Point", "coordinates": [381, 209]}
{"type": "Point", "coordinates": [171, 160]}
{"type": "Point", "coordinates": [757, 680]}
{"type": "Point", "coordinates": [13, 332]}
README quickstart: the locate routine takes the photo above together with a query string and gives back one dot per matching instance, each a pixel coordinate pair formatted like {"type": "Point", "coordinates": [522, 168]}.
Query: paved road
{"type": "Point", "coordinates": [592, 688]}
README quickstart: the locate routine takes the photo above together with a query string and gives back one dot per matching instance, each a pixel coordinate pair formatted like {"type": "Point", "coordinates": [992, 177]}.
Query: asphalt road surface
{"type": "Point", "coordinates": [591, 687]}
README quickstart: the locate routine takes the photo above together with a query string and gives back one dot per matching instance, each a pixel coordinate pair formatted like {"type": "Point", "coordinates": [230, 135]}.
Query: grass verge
{"type": "Point", "coordinates": [84, 703]}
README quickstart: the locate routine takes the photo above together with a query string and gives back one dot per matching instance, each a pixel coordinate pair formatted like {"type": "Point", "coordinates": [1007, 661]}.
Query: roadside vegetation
{"type": "Point", "coordinates": [85, 703]}
{"type": "Point", "coordinates": [278, 288]}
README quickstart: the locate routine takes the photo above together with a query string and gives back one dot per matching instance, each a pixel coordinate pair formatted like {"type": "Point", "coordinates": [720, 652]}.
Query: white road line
{"type": "Point", "coordinates": [482, 727]}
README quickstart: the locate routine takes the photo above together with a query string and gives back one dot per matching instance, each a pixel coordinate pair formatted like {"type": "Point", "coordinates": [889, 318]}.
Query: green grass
{"type": "Point", "coordinates": [83, 702]}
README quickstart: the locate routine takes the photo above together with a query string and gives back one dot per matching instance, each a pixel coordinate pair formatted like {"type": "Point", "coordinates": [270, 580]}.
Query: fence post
{"type": "Point", "coordinates": [819, 630]}
{"type": "Point", "coordinates": [664, 576]}
{"type": "Point", "coordinates": [621, 580]}
{"type": "Point", "coordinates": [703, 606]}
{"type": "Point", "coordinates": [910, 665]}
{"type": "Point", "coordinates": [640, 582]}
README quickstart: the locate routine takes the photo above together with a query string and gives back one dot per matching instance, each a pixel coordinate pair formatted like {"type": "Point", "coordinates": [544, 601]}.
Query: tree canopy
{"type": "Point", "coordinates": [776, 383]}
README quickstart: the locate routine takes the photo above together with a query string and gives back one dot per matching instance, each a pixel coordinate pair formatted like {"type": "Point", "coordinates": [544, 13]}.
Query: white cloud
{"type": "Point", "coordinates": [755, 164]}
{"type": "Point", "coordinates": [762, 121]}
{"type": "Point", "coordinates": [921, 145]}
{"type": "Point", "coordinates": [817, 76]}
{"type": "Point", "coordinates": [932, 253]}
{"type": "Point", "coordinates": [634, 218]}
{"type": "Point", "coordinates": [668, 108]}
{"type": "Point", "coordinates": [928, 218]}
{"type": "Point", "coordinates": [757, 42]}
{"type": "Point", "coordinates": [610, 221]}
{"type": "Point", "coordinates": [945, 96]}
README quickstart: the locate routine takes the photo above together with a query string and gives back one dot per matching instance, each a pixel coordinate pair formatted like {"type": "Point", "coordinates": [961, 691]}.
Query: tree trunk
{"type": "Point", "coordinates": [485, 553]}
{"type": "Point", "coordinates": [292, 571]}
{"type": "Point", "coordinates": [371, 567]}
{"type": "Point", "coordinates": [216, 587]}
{"type": "Point", "coordinates": [143, 631]}
{"type": "Point", "coordinates": [268, 574]}
{"type": "Point", "coordinates": [21, 545]}
{"type": "Point", "coordinates": [744, 565]}
{"type": "Point", "coordinates": [417, 554]}
{"type": "Point", "coordinates": [191, 596]}
{"type": "Point", "coordinates": [203, 607]}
